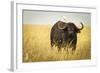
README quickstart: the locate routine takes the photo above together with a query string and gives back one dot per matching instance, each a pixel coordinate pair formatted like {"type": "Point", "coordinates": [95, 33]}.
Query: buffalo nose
{"type": "Point", "coordinates": [70, 32]}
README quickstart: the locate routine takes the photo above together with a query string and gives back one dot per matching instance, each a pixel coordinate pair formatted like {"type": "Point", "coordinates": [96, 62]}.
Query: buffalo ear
{"type": "Point", "coordinates": [62, 25]}
{"type": "Point", "coordinates": [77, 30]}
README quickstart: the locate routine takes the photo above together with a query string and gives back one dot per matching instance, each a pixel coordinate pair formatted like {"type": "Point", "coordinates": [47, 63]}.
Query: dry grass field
{"type": "Point", "coordinates": [36, 45]}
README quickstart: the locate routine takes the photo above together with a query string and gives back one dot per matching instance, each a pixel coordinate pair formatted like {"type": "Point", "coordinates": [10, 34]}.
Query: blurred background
{"type": "Point", "coordinates": [49, 17]}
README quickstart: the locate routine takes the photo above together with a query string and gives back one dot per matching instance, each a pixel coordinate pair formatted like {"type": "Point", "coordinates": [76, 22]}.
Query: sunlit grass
{"type": "Point", "coordinates": [36, 45]}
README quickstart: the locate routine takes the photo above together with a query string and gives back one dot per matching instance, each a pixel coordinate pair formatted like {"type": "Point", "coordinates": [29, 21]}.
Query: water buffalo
{"type": "Point", "coordinates": [64, 35]}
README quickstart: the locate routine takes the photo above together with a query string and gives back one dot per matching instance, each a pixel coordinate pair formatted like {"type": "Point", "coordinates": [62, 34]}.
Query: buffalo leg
{"type": "Point", "coordinates": [52, 43]}
{"type": "Point", "coordinates": [59, 48]}
{"type": "Point", "coordinates": [73, 49]}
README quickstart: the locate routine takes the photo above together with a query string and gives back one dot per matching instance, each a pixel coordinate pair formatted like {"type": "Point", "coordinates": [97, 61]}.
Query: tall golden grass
{"type": "Point", "coordinates": [36, 45]}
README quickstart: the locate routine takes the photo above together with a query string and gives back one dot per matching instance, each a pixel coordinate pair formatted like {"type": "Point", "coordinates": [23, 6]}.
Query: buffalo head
{"type": "Point", "coordinates": [70, 27]}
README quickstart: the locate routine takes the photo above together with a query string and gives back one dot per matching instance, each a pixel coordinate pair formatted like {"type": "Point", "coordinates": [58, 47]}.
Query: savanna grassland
{"type": "Point", "coordinates": [36, 45]}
